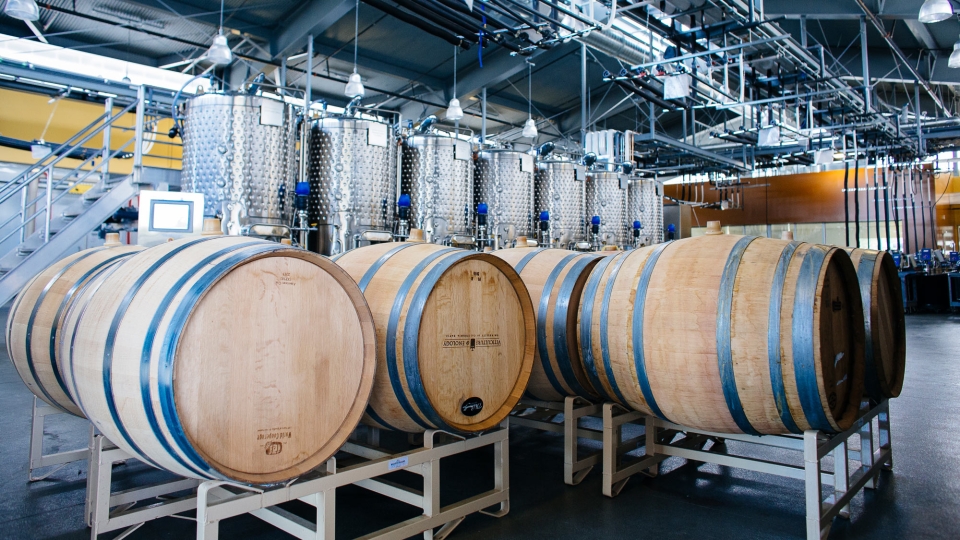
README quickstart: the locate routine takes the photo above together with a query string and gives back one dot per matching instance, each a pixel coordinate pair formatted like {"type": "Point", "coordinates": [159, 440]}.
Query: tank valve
{"type": "Point", "coordinates": [595, 232]}
{"type": "Point", "coordinates": [544, 239]}
{"type": "Point", "coordinates": [300, 202]}
{"type": "Point", "coordinates": [403, 215]}
{"type": "Point", "coordinates": [637, 226]}
{"type": "Point", "coordinates": [483, 240]}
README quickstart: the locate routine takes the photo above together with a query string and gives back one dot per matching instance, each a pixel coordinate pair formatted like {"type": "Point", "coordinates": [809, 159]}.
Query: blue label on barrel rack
{"type": "Point", "coordinates": [398, 463]}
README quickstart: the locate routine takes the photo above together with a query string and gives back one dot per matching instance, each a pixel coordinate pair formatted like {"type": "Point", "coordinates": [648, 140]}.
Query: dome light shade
{"type": "Point", "coordinates": [219, 53]}
{"type": "Point", "coordinates": [530, 129]}
{"type": "Point", "coordinates": [935, 11]}
{"type": "Point", "coordinates": [354, 86]}
{"type": "Point", "coordinates": [454, 112]}
{"type": "Point", "coordinates": [954, 61]}
{"type": "Point", "coordinates": [25, 10]}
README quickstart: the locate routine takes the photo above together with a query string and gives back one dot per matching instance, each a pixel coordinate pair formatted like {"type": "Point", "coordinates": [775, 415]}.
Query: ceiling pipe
{"type": "Point", "coordinates": [903, 58]}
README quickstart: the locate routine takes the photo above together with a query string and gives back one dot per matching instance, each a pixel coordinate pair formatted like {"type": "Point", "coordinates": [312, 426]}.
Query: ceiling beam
{"type": "Point", "coordinates": [919, 31]}
{"type": "Point", "coordinates": [313, 18]}
{"type": "Point", "coordinates": [500, 66]}
{"type": "Point", "coordinates": [367, 62]}
{"type": "Point", "coordinates": [208, 17]}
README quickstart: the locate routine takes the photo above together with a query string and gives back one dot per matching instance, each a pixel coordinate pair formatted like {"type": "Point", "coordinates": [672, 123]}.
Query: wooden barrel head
{"type": "Point", "coordinates": [889, 326]}
{"type": "Point", "coordinates": [840, 334]}
{"type": "Point", "coordinates": [262, 384]}
{"type": "Point", "coordinates": [476, 342]}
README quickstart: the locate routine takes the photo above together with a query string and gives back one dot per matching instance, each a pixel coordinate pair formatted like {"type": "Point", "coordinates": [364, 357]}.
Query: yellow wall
{"type": "Point", "coordinates": [23, 116]}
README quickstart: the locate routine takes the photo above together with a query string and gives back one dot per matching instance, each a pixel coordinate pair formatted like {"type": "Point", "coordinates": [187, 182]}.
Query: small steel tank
{"type": "Point", "coordinates": [607, 198]}
{"type": "Point", "coordinates": [353, 182]}
{"type": "Point", "coordinates": [645, 204]}
{"type": "Point", "coordinates": [560, 191]}
{"type": "Point", "coordinates": [239, 152]}
{"type": "Point", "coordinates": [504, 180]}
{"type": "Point", "coordinates": [437, 173]}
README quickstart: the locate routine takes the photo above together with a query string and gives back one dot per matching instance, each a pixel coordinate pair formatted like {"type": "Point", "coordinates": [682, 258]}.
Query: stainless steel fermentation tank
{"type": "Point", "coordinates": [645, 204]}
{"type": "Point", "coordinates": [561, 191]}
{"type": "Point", "coordinates": [504, 181]}
{"type": "Point", "coordinates": [239, 151]}
{"type": "Point", "coordinates": [607, 198]}
{"type": "Point", "coordinates": [353, 182]}
{"type": "Point", "coordinates": [437, 173]}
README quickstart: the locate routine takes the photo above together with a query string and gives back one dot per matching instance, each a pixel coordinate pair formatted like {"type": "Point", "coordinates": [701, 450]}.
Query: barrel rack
{"type": "Point", "coordinates": [855, 466]}
{"type": "Point", "coordinates": [543, 415]}
{"type": "Point", "coordinates": [215, 501]}
{"type": "Point", "coordinates": [39, 460]}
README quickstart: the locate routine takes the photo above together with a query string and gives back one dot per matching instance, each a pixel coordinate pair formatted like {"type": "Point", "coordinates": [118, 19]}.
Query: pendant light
{"type": "Point", "coordinates": [219, 53]}
{"type": "Point", "coordinates": [25, 10]}
{"type": "Point", "coordinates": [954, 61]}
{"type": "Point", "coordinates": [354, 86]}
{"type": "Point", "coordinates": [530, 127]}
{"type": "Point", "coordinates": [935, 11]}
{"type": "Point", "coordinates": [454, 111]}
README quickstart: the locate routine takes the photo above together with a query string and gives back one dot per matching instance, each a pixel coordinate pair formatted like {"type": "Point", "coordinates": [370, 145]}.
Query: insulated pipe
{"type": "Point", "coordinates": [462, 8]}
{"type": "Point", "coordinates": [440, 16]}
{"type": "Point", "coordinates": [886, 206]}
{"type": "Point", "coordinates": [846, 200]}
{"type": "Point", "coordinates": [420, 23]}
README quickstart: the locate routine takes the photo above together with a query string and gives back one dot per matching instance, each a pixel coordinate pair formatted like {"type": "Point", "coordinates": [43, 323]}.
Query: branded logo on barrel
{"type": "Point", "coordinates": [471, 406]}
{"type": "Point", "coordinates": [274, 448]}
{"type": "Point", "coordinates": [471, 341]}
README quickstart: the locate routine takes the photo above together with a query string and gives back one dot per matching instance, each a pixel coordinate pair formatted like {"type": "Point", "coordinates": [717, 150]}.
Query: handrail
{"type": "Point", "coordinates": [37, 169]}
{"type": "Point", "coordinates": [46, 208]}
{"type": "Point", "coordinates": [74, 184]}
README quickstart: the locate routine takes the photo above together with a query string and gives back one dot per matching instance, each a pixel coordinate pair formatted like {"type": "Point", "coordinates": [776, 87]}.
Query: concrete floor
{"type": "Point", "coordinates": [920, 499]}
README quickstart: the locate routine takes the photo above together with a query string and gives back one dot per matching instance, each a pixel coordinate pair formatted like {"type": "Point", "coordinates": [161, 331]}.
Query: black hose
{"type": "Point", "coordinates": [931, 192]}
{"type": "Point", "coordinates": [886, 206]}
{"type": "Point", "coordinates": [876, 202]}
{"type": "Point", "coordinates": [536, 14]}
{"type": "Point", "coordinates": [462, 8]}
{"type": "Point", "coordinates": [913, 210]}
{"type": "Point", "coordinates": [896, 210]}
{"type": "Point", "coordinates": [856, 197]}
{"type": "Point", "coordinates": [923, 207]}
{"type": "Point", "coordinates": [846, 200]}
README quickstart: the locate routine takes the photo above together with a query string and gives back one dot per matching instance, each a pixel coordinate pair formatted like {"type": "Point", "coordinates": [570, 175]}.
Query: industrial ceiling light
{"type": "Point", "coordinates": [25, 10]}
{"type": "Point", "coordinates": [454, 111]}
{"type": "Point", "coordinates": [935, 11]}
{"type": "Point", "coordinates": [530, 127]}
{"type": "Point", "coordinates": [354, 86]}
{"type": "Point", "coordinates": [219, 53]}
{"type": "Point", "coordinates": [954, 60]}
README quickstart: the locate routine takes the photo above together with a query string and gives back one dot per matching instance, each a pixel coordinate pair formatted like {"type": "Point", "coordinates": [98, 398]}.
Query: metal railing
{"type": "Point", "coordinates": [27, 183]}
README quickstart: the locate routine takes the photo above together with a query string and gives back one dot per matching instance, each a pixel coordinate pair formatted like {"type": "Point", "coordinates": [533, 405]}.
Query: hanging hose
{"type": "Point", "coordinates": [846, 200]}
{"type": "Point", "coordinates": [913, 210]}
{"type": "Point", "coordinates": [176, 97]}
{"type": "Point", "coordinates": [886, 206]}
{"type": "Point", "coordinates": [931, 191]}
{"type": "Point", "coordinates": [856, 196]}
{"type": "Point", "coordinates": [876, 202]}
{"type": "Point", "coordinates": [923, 207]}
{"type": "Point", "coordinates": [896, 211]}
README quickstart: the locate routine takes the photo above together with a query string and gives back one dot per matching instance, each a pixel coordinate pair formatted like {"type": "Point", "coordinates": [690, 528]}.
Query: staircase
{"type": "Point", "coordinates": [44, 238]}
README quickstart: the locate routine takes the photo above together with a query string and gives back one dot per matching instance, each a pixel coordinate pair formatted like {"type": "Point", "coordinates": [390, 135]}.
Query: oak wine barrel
{"type": "Point", "coordinates": [455, 335]}
{"type": "Point", "coordinates": [883, 315]}
{"type": "Point", "coordinates": [732, 334]}
{"type": "Point", "coordinates": [555, 279]}
{"type": "Point", "coordinates": [223, 358]}
{"type": "Point", "coordinates": [36, 315]}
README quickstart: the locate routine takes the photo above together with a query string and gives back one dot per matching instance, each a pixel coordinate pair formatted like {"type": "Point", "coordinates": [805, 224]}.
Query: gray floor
{"type": "Point", "coordinates": [920, 499]}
